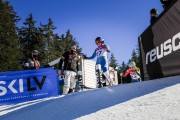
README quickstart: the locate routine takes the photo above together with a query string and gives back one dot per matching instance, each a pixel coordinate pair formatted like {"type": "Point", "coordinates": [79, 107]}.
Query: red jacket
{"type": "Point", "coordinates": [132, 72]}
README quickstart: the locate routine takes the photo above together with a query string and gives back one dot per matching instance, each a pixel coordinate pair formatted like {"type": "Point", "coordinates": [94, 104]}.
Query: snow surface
{"type": "Point", "coordinates": [149, 100]}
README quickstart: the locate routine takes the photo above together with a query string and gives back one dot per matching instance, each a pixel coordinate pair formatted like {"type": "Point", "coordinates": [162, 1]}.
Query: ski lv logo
{"type": "Point", "coordinates": [26, 85]}
{"type": "Point", "coordinates": [18, 85]}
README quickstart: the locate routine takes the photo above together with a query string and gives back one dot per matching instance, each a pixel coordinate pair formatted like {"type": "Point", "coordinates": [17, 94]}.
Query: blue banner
{"type": "Point", "coordinates": [26, 85]}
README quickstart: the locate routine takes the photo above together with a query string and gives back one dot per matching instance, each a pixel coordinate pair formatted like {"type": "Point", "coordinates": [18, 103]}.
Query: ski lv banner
{"type": "Point", "coordinates": [160, 45]}
{"type": "Point", "coordinates": [21, 86]}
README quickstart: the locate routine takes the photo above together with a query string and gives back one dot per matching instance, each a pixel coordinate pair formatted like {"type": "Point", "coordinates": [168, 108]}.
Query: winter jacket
{"type": "Point", "coordinates": [132, 72]}
{"type": "Point", "coordinates": [31, 64]}
{"type": "Point", "coordinates": [153, 19]}
{"type": "Point", "coordinates": [70, 61]}
{"type": "Point", "coordinates": [166, 3]}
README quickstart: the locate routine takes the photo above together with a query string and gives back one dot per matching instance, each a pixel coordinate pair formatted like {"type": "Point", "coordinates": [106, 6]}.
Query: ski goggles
{"type": "Point", "coordinates": [98, 41]}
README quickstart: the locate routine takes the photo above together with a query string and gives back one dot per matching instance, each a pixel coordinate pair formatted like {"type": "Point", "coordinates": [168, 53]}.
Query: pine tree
{"type": "Point", "coordinates": [134, 56]}
{"type": "Point", "coordinates": [50, 39]}
{"type": "Point", "coordinates": [113, 62]}
{"type": "Point", "coordinates": [30, 36]}
{"type": "Point", "coordinates": [139, 62]}
{"type": "Point", "coordinates": [123, 67]}
{"type": "Point", "coordinates": [66, 41]}
{"type": "Point", "coordinates": [9, 42]}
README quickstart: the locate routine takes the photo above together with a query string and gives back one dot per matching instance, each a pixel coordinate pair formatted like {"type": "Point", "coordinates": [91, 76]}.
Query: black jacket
{"type": "Point", "coordinates": [70, 61]}
{"type": "Point", "coordinates": [166, 3]}
{"type": "Point", "coordinates": [153, 19]}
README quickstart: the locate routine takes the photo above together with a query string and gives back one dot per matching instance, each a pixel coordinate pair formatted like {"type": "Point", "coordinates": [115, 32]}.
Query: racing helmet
{"type": "Point", "coordinates": [132, 64]}
{"type": "Point", "coordinates": [35, 52]}
{"type": "Point", "coordinates": [99, 39]}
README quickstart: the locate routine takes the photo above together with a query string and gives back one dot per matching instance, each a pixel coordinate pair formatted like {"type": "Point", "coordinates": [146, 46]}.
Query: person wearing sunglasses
{"type": "Point", "coordinates": [32, 62]}
{"type": "Point", "coordinates": [101, 52]}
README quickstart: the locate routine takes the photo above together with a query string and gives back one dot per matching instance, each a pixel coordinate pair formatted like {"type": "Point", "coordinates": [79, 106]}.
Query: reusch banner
{"type": "Point", "coordinates": [26, 85]}
{"type": "Point", "coordinates": [160, 45]}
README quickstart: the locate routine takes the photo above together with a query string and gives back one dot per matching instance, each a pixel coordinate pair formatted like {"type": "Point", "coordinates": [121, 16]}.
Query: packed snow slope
{"type": "Point", "coordinates": [148, 100]}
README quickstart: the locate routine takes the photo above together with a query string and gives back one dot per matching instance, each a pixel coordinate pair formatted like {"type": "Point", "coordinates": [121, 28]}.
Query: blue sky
{"type": "Point", "coordinates": [119, 22]}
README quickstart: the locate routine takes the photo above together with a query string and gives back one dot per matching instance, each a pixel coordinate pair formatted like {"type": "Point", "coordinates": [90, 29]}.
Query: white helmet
{"type": "Point", "coordinates": [35, 52]}
{"type": "Point", "coordinates": [132, 64]}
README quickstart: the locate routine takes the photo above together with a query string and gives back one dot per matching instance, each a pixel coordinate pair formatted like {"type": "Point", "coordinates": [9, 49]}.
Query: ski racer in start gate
{"type": "Point", "coordinates": [101, 52]}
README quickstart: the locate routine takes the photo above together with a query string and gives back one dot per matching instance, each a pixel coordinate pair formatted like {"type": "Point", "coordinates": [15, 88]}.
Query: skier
{"type": "Point", "coordinates": [134, 72]}
{"type": "Point", "coordinates": [102, 57]}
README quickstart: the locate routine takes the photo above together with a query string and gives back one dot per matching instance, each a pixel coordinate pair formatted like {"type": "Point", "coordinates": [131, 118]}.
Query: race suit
{"type": "Point", "coordinates": [102, 58]}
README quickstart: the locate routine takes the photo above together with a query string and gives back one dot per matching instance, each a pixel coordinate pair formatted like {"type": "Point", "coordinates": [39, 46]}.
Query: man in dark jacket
{"type": "Point", "coordinates": [153, 15]}
{"type": "Point", "coordinates": [166, 3]}
{"type": "Point", "coordinates": [69, 67]}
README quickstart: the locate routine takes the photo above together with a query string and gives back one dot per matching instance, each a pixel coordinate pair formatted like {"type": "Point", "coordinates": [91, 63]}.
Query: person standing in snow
{"type": "Point", "coordinates": [101, 52]}
{"type": "Point", "coordinates": [153, 15]}
{"type": "Point", "coordinates": [32, 62]}
{"type": "Point", "coordinates": [133, 71]}
{"type": "Point", "coordinates": [166, 3]}
{"type": "Point", "coordinates": [69, 67]}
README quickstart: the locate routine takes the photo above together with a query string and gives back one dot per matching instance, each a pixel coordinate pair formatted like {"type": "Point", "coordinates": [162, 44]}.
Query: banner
{"type": "Point", "coordinates": [26, 85]}
{"type": "Point", "coordinates": [160, 45]}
